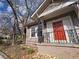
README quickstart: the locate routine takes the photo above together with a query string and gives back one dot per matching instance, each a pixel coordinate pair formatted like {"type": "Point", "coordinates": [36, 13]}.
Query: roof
{"type": "Point", "coordinates": [53, 5]}
{"type": "Point", "coordinates": [51, 8]}
{"type": "Point", "coordinates": [46, 7]}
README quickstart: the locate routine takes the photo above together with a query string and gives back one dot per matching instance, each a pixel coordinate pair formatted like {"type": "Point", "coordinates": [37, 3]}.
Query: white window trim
{"type": "Point", "coordinates": [35, 33]}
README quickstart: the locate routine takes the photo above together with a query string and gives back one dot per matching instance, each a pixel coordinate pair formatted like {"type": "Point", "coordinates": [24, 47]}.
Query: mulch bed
{"type": "Point", "coordinates": [24, 52]}
{"type": "Point", "coordinates": [18, 51]}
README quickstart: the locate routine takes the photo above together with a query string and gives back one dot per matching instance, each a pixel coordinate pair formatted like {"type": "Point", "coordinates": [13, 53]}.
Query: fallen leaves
{"type": "Point", "coordinates": [43, 56]}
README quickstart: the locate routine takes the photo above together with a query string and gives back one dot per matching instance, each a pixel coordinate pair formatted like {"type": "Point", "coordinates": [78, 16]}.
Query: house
{"type": "Point", "coordinates": [55, 21]}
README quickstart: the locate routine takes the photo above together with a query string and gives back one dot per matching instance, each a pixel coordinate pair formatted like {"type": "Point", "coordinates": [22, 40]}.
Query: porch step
{"type": "Point", "coordinates": [59, 45]}
{"type": "Point", "coordinates": [54, 45]}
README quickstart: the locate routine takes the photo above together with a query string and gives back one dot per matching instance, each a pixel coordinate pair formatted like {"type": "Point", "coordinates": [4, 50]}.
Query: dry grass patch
{"type": "Point", "coordinates": [18, 51]}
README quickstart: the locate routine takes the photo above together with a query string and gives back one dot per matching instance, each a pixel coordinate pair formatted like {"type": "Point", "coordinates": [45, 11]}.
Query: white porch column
{"type": "Point", "coordinates": [78, 10]}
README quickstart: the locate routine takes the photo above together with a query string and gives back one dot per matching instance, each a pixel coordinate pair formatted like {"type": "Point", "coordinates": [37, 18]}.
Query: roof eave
{"type": "Point", "coordinates": [56, 9]}
{"type": "Point", "coordinates": [38, 9]}
{"type": "Point", "coordinates": [35, 14]}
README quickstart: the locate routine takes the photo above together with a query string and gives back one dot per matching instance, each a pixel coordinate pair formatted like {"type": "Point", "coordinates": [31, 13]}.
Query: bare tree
{"type": "Point", "coordinates": [23, 19]}
{"type": "Point", "coordinates": [5, 24]}
{"type": "Point", "coordinates": [12, 5]}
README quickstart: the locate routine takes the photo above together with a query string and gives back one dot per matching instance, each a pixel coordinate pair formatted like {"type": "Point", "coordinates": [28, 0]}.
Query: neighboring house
{"type": "Point", "coordinates": [55, 21]}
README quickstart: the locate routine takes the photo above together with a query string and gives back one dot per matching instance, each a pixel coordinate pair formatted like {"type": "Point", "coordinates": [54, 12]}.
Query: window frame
{"type": "Point", "coordinates": [33, 32]}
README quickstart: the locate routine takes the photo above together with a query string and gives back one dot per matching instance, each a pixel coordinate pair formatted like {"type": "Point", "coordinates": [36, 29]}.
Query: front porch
{"type": "Point", "coordinates": [69, 40]}
{"type": "Point", "coordinates": [65, 33]}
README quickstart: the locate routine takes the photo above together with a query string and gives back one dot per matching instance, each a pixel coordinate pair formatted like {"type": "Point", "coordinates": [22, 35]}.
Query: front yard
{"type": "Point", "coordinates": [24, 52]}
{"type": "Point", "coordinates": [18, 51]}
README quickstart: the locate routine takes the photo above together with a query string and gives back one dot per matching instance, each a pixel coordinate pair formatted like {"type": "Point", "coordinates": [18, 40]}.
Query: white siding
{"type": "Point", "coordinates": [67, 22]}
{"type": "Point", "coordinates": [29, 38]}
{"type": "Point", "coordinates": [50, 31]}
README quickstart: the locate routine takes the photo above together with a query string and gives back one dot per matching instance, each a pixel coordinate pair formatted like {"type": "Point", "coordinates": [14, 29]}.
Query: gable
{"type": "Point", "coordinates": [41, 8]}
{"type": "Point", "coordinates": [51, 6]}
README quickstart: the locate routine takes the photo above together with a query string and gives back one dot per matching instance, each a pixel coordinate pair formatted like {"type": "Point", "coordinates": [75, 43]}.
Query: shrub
{"type": "Point", "coordinates": [27, 49]}
{"type": "Point", "coordinates": [1, 42]}
{"type": "Point", "coordinates": [30, 50]}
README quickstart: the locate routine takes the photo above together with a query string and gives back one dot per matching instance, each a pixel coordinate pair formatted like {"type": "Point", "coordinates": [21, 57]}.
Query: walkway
{"type": "Point", "coordinates": [63, 52]}
{"type": "Point", "coordinates": [60, 52]}
{"type": "Point", "coordinates": [1, 57]}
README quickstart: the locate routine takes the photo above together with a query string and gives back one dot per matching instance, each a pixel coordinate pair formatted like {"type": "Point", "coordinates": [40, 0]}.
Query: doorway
{"type": "Point", "coordinates": [58, 29]}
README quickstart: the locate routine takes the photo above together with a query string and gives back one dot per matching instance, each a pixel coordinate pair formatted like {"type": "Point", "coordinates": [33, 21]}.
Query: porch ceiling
{"type": "Point", "coordinates": [57, 13]}
{"type": "Point", "coordinates": [61, 9]}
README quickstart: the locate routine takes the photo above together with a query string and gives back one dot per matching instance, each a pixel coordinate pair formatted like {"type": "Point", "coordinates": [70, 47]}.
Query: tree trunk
{"type": "Point", "coordinates": [24, 35]}
{"type": "Point", "coordinates": [13, 6]}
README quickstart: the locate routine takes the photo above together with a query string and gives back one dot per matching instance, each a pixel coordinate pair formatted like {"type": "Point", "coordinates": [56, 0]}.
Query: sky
{"type": "Point", "coordinates": [5, 8]}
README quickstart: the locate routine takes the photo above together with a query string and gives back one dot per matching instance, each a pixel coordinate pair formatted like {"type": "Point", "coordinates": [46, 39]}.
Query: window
{"type": "Point", "coordinates": [33, 32]}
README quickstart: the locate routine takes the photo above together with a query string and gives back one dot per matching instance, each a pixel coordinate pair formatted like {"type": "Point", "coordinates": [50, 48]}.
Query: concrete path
{"type": "Point", "coordinates": [1, 57]}
{"type": "Point", "coordinates": [60, 52]}
{"type": "Point", "coordinates": [63, 52]}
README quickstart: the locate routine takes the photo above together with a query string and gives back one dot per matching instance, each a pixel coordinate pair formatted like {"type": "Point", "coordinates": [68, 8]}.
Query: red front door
{"type": "Point", "coordinates": [59, 33]}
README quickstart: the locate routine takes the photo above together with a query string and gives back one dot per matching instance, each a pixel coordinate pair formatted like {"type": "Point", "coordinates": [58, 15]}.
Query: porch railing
{"type": "Point", "coordinates": [72, 36]}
